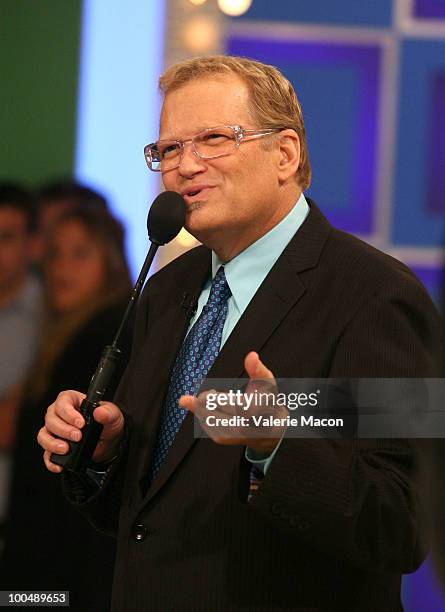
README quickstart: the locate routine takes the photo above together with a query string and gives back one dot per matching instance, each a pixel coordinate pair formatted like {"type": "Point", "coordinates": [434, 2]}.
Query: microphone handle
{"type": "Point", "coordinates": [79, 454]}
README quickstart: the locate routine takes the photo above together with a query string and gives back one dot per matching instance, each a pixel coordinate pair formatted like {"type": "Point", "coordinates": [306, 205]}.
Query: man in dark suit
{"type": "Point", "coordinates": [266, 523]}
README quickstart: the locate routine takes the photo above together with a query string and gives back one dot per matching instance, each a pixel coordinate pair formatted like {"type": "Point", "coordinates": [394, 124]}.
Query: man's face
{"type": "Point", "coordinates": [14, 247]}
{"type": "Point", "coordinates": [49, 212]}
{"type": "Point", "coordinates": [237, 202]}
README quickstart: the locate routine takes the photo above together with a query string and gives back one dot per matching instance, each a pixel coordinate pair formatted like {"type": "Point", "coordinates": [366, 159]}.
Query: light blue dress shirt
{"type": "Point", "coordinates": [246, 272]}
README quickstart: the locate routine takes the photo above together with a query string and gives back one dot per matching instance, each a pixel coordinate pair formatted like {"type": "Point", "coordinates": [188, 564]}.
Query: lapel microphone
{"type": "Point", "coordinates": [165, 219]}
{"type": "Point", "coordinates": [189, 304]}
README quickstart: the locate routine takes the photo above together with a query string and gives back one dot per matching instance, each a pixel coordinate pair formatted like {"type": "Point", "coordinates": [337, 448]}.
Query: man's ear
{"type": "Point", "coordinates": [289, 154]}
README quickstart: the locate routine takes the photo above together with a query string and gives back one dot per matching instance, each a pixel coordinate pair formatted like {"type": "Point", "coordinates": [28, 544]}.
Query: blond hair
{"type": "Point", "coordinates": [272, 99]}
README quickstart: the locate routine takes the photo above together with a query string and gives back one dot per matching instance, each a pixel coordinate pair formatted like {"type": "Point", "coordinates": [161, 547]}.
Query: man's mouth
{"type": "Point", "coordinates": [193, 194]}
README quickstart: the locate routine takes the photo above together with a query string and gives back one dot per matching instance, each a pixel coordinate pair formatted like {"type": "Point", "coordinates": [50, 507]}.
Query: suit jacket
{"type": "Point", "coordinates": [334, 522]}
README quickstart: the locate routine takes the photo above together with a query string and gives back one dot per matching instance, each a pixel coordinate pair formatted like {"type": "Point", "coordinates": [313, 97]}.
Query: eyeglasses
{"type": "Point", "coordinates": [211, 143]}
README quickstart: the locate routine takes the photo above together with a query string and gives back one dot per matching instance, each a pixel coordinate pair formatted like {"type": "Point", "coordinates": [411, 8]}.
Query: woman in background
{"type": "Point", "coordinates": [49, 546]}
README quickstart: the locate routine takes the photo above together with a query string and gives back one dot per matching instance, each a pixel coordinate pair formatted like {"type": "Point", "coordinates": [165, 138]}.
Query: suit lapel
{"type": "Point", "coordinates": [277, 295]}
{"type": "Point", "coordinates": [170, 315]}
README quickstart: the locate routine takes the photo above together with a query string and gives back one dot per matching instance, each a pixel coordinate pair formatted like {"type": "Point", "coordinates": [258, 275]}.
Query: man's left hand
{"type": "Point", "coordinates": [262, 380]}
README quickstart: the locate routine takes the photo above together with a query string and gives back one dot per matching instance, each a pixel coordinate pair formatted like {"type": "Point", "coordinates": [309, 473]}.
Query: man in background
{"type": "Point", "coordinates": [59, 196]}
{"type": "Point", "coordinates": [20, 310]}
{"type": "Point", "coordinates": [20, 292]}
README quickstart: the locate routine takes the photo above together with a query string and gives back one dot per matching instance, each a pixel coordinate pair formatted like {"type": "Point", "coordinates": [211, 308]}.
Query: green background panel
{"type": "Point", "coordinates": [39, 61]}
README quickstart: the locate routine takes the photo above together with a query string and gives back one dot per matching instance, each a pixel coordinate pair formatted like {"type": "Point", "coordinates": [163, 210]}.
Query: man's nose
{"type": "Point", "coordinates": [190, 162]}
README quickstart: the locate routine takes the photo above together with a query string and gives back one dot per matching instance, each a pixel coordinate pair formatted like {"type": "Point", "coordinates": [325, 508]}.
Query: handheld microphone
{"type": "Point", "coordinates": [165, 219]}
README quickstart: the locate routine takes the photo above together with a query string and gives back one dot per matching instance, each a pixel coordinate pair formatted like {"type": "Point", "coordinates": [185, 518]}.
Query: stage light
{"type": "Point", "coordinates": [200, 34]}
{"type": "Point", "coordinates": [198, 2]}
{"type": "Point", "coordinates": [234, 7]}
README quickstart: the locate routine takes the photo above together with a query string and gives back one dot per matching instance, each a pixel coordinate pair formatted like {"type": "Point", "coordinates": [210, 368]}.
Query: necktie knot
{"type": "Point", "coordinates": [220, 290]}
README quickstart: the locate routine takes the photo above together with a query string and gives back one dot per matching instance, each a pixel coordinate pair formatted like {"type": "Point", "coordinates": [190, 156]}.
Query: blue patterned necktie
{"type": "Point", "coordinates": [195, 358]}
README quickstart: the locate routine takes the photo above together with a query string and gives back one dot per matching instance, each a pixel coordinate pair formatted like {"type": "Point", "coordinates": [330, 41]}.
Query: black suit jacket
{"type": "Point", "coordinates": [334, 522]}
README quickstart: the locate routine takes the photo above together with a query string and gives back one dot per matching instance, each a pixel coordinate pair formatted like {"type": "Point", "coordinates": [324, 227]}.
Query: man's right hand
{"type": "Point", "coordinates": [63, 420]}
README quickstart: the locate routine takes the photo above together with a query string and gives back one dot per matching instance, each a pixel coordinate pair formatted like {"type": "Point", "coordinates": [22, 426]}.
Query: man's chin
{"type": "Point", "coordinates": [194, 219]}
{"type": "Point", "coordinates": [193, 206]}
{"type": "Point", "coordinates": [199, 230]}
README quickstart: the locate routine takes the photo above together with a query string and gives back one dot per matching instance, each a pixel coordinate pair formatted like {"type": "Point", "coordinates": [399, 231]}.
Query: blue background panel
{"type": "Point", "coordinates": [417, 216]}
{"type": "Point", "coordinates": [346, 12]}
{"type": "Point", "coordinates": [338, 87]}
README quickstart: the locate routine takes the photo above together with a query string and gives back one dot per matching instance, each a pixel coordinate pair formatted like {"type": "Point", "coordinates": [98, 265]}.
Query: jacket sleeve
{"type": "Point", "coordinates": [100, 505]}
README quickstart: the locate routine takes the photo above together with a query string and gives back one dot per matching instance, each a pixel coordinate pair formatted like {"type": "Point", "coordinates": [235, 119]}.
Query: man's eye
{"type": "Point", "coordinates": [215, 138]}
{"type": "Point", "coordinates": [169, 150]}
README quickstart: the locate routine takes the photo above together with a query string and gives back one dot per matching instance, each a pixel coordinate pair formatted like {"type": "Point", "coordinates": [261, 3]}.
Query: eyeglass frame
{"type": "Point", "coordinates": [241, 134]}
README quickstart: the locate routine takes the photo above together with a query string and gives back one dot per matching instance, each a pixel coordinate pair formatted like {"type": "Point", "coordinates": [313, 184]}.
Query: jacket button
{"type": "Point", "coordinates": [139, 532]}
{"type": "Point", "coordinates": [276, 508]}
{"type": "Point", "coordinates": [285, 515]}
{"type": "Point", "coordinates": [294, 521]}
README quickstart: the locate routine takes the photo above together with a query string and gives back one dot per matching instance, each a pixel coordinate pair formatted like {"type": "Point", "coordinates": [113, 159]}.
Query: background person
{"type": "Point", "coordinates": [60, 196]}
{"type": "Point", "coordinates": [20, 294]}
{"type": "Point", "coordinates": [20, 314]}
{"type": "Point", "coordinates": [49, 546]}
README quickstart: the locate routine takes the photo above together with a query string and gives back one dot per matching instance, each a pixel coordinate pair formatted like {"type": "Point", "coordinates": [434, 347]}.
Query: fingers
{"type": "Point", "coordinates": [66, 407]}
{"type": "Point", "coordinates": [110, 416]}
{"type": "Point", "coordinates": [189, 402]}
{"type": "Point", "coordinates": [50, 443]}
{"type": "Point", "coordinates": [52, 467]}
{"type": "Point", "coordinates": [63, 422]}
{"type": "Point", "coordinates": [229, 417]}
{"type": "Point", "coordinates": [62, 419]}
{"type": "Point", "coordinates": [198, 405]}
{"type": "Point", "coordinates": [61, 428]}
{"type": "Point", "coordinates": [255, 368]}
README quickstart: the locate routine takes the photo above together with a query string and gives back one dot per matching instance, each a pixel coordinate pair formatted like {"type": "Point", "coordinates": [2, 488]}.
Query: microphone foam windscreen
{"type": "Point", "coordinates": [166, 217]}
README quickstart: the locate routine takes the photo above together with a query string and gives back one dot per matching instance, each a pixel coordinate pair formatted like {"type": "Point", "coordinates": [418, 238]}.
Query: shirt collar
{"type": "Point", "coordinates": [246, 271]}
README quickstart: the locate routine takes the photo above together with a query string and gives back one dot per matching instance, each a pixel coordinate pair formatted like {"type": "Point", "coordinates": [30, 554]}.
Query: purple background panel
{"type": "Point", "coordinates": [429, 8]}
{"type": "Point", "coordinates": [436, 154]}
{"type": "Point", "coordinates": [433, 281]}
{"type": "Point", "coordinates": [421, 591]}
{"type": "Point", "coordinates": [339, 81]}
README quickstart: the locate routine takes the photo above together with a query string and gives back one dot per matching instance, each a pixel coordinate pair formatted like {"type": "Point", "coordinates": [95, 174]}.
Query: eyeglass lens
{"type": "Point", "coordinates": [207, 144]}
